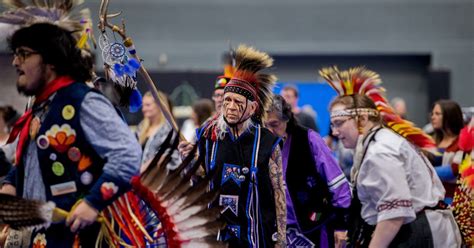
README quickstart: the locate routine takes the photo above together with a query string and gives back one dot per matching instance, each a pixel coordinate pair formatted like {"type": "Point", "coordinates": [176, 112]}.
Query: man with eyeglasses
{"type": "Point", "coordinates": [73, 148]}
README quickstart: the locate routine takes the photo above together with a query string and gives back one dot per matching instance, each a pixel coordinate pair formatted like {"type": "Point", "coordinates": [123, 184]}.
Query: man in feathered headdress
{"type": "Point", "coordinates": [245, 157]}
{"type": "Point", "coordinates": [73, 148]}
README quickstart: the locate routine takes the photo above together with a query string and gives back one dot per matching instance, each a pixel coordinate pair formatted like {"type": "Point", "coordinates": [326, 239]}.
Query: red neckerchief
{"type": "Point", "coordinates": [22, 126]}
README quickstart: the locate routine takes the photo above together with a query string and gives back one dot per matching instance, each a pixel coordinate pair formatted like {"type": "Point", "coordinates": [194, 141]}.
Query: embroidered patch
{"type": "Point", "coordinates": [230, 202]}
{"type": "Point", "coordinates": [108, 190]}
{"type": "Point", "coordinates": [68, 112]}
{"type": "Point", "coordinates": [74, 154]}
{"type": "Point", "coordinates": [86, 178]}
{"type": "Point", "coordinates": [34, 127]}
{"type": "Point", "coordinates": [39, 241]}
{"type": "Point", "coordinates": [295, 239]}
{"type": "Point", "coordinates": [387, 205]}
{"type": "Point", "coordinates": [84, 163]}
{"type": "Point", "coordinates": [53, 156]}
{"type": "Point", "coordinates": [62, 137]}
{"type": "Point", "coordinates": [232, 172]}
{"type": "Point", "coordinates": [63, 188]}
{"type": "Point", "coordinates": [58, 169]}
{"type": "Point", "coordinates": [232, 231]}
{"type": "Point", "coordinates": [42, 142]}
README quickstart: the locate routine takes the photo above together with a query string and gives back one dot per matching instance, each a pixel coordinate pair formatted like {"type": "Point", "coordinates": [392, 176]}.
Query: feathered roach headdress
{"type": "Point", "coordinates": [229, 70]}
{"type": "Point", "coordinates": [248, 81]}
{"type": "Point", "coordinates": [62, 13]}
{"type": "Point", "coordinates": [361, 81]}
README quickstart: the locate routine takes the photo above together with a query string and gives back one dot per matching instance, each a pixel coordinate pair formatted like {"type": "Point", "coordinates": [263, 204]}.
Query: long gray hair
{"type": "Point", "coordinates": [223, 128]}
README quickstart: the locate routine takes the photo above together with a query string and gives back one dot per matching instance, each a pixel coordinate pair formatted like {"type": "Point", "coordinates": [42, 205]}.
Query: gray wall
{"type": "Point", "coordinates": [194, 33]}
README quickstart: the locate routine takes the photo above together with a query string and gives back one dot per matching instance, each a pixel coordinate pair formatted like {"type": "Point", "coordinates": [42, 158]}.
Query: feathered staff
{"type": "Point", "coordinates": [162, 210]}
{"type": "Point", "coordinates": [117, 71]}
{"type": "Point", "coordinates": [361, 81]}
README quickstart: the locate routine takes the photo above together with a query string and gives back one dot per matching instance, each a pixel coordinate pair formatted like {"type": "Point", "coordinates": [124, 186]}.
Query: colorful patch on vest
{"type": "Point", "coordinates": [74, 154]}
{"type": "Point", "coordinates": [53, 156]}
{"type": "Point", "coordinates": [84, 163]}
{"type": "Point", "coordinates": [63, 188]}
{"type": "Point", "coordinates": [42, 142]}
{"type": "Point", "coordinates": [68, 112]}
{"type": "Point", "coordinates": [230, 202]}
{"type": "Point", "coordinates": [35, 125]}
{"type": "Point", "coordinates": [232, 231]}
{"type": "Point", "coordinates": [39, 241]}
{"type": "Point", "coordinates": [108, 190]}
{"type": "Point", "coordinates": [86, 178]}
{"type": "Point", "coordinates": [232, 172]}
{"type": "Point", "coordinates": [58, 169]}
{"type": "Point", "coordinates": [60, 138]}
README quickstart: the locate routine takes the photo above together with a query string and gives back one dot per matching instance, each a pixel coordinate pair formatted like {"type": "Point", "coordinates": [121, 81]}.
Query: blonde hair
{"type": "Point", "coordinates": [145, 124]}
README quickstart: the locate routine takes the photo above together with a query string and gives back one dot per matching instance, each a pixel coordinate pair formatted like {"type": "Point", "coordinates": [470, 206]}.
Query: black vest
{"type": "Point", "coordinates": [308, 190]}
{"type": "Point", "coordinates": [66, 155]}
{"type": "Point", "coordinates": [234, 182]}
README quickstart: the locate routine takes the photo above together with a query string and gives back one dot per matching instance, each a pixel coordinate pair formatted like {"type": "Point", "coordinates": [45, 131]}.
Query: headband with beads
{"type": "Point", "coordinates": [354, 112]}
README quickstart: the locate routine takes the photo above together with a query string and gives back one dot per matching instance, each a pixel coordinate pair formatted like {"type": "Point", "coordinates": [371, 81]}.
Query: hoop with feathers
{"type": "Point", "coordinates": [359, 80]}
{"type": "Point", "coordinates": [162, 210]}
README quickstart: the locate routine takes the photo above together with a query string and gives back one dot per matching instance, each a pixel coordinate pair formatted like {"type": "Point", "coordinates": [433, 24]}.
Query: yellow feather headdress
{"type": "Point", "coordinates": [359, 80]}
{"type": "Point", "coordinates": [62, 13]}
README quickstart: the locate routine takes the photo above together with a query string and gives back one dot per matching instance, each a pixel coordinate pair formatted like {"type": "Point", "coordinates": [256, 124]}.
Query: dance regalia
{"type": "Point", "coordinates": [395, 181]}
{"type": "Point", "coordinates": [67, 167]}
{"type": "Point", "coordinates": [241, 169]}
{"type": "Point", "coordinates": [391, 178]}
{"type": "Point", "coordinates": [318, 194]}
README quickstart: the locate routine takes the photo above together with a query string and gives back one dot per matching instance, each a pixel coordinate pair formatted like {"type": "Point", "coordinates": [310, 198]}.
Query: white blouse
{"type": "Point", "coordinates": [395, 181]}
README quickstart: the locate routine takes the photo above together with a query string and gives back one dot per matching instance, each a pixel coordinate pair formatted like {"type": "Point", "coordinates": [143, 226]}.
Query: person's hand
{"type": "Point", "coordinates": [8, 189]}
{"type": "Point", "coordinates": [185, 148]}
{"type": "Point", "coordinates": [4, 235]}
{"type": "Point", "coordinates": [340, 238]}
{"type": "Point", "coordinates": [81, 216]}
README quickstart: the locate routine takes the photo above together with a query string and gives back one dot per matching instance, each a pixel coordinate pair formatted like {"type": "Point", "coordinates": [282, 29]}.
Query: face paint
{"type": "Point", "coordinates": [235, 108]}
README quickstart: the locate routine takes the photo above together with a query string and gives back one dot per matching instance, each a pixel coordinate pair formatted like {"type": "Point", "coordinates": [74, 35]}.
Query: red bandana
{"type": "Point", "coordinates": [22, 126]}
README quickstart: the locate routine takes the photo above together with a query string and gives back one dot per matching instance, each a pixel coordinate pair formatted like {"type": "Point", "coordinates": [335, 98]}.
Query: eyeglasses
{"type": "Point", "coordinates": [338, 123]}
{"type": "Point", "coordinates": [217, 96]}
{"type": "Point", "coordinates": [22, 54]}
